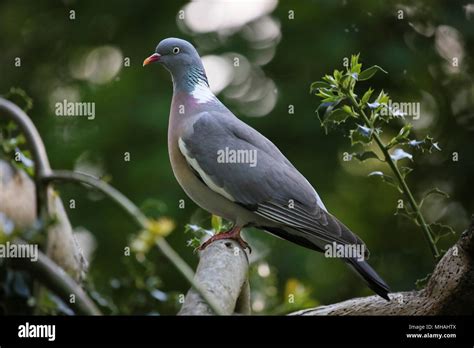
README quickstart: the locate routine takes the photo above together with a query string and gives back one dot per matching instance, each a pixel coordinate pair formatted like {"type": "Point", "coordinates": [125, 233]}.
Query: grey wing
{"type": "Point", "coordinates": [270, 185]}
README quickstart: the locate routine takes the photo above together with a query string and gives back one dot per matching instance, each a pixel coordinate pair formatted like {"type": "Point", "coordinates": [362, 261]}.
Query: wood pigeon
{"type": "Point", "coordinates": [231, 170]}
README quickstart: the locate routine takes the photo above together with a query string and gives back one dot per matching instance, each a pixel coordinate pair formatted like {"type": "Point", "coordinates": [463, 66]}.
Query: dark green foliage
{"type": "Point", "coordinates": [371, 117]}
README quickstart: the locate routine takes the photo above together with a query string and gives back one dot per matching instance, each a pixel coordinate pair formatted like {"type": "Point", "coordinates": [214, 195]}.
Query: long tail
{"type": "Point", "coordinates": [362, 268]}
{"type": "Point", "coordinates": [373, 280]}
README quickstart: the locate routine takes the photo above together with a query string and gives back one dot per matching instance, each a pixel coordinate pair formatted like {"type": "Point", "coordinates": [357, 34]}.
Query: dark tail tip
{"type": "Point", "coordinates": [373, 280]}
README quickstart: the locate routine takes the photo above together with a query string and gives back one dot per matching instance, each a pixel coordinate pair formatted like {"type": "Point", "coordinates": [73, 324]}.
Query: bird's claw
{"type": "Point", "coordinates": [244, 245]}
{"type": "Point", "coordinates": [226, 235]}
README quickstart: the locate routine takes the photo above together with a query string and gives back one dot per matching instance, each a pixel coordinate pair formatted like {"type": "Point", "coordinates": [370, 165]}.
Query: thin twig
{"type": "Point", "coordinates": [140, 219]}
{"type": "Point", "coordinates": [47, 272]}
{"type": "Point", "coordinates": [120, 199]}
{"type": "Point", "coordinates": [36, 146]}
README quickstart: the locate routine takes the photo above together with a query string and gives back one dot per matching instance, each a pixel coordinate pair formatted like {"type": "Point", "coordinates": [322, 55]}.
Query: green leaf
{"type": "Point", "coordinates": [368, 73]}
{"type": "Point", "coordinates": [349, 110]}
{"type": "Point", "coordinates": [405, 171]}
{"type": "Point", "coordinates": [355, 65]}
{"type": "Point", "coordinates": [18, 95]}
{"type": "Point", "coordinates": [361, 135]}
{"type": "Point", "coordinates": [348, 81]}
{"type": "Point", "coordinates": [362, 156]}
{"type": "Point", "coordinates": [355, 70]}
{"type": "Point", "coordinates": [326, 117]}
{"type": "Point", "coordinates": [382, 98]}
{"type": "Point", "coordinates": [20, 139]}
{"type": "Point", "coordinates": [405, 131]}
{"type": "Point", "coordinates": [216, 222]}
{"type": "Point", "coordinates": [318, 84]}
{"type": "Point", "coordinates": [366, 96]}
{"type": "Point", "coordinates": [197, 230]}
{"type": "Point", "coordinates": [378, 108]}
{"type": "Point", "coordinates": [329, 79]}
{"type": "Point", "coordinates": [331, 99]}
{"type": "Point", "coordinates": [399, 154]}
{"type": "Point", "coordinates": [433, 191]}
{"type": "Point", "coordinates": [153, 207]}
{"type": "Point", "coordinates": [426, 144]}
{"type": "Point", "coordinates": [323, 110]}
{"type": "Point", "coordinates": [386, 178]}
{"type": "Point", "coordinates": [194, 242]}
{"type": "Point", "coordinates": [406, 212]}
{"type": "Point", "coordinates": [11, 126]}
{"type": "Point", "coordinates": [335, 117]}
{"type": "Point", "coordinates": [440, 231]}
{"type": "Point", "coordinates": [355, 59]}
{"type": "Point", "coordinates": [327, 95]}
{"type": "Point", "coordinates": [401, 137]}
{"type": "Point", "coordinates": [338, 116]}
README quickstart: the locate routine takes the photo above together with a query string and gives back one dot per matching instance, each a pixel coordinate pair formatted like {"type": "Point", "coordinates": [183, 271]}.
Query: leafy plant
{"type": "Point", "coordinates": [217, 225]}
{"type": "Point", "coordinates": [12, 141]}
{"type": "Point", "coordinates": [370, 115]}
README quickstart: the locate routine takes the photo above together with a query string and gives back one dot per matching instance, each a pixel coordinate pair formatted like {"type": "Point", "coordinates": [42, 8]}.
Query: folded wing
{"type": "Point", "coordinates": [217, 146]}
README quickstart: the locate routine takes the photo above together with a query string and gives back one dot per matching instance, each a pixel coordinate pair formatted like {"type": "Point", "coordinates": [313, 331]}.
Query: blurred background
{"type": "Point", "coordinates": [261, 57]}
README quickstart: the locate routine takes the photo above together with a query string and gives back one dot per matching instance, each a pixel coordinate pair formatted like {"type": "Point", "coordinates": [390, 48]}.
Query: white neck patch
{"type": "Point", "coordinates": [202, 93]}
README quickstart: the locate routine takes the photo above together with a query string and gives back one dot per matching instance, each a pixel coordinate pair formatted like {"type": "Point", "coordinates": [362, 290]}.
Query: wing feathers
{"type": "Point", "coordinates": [326, 228]}
{"type": "Point", "coordinates": [267, 188]}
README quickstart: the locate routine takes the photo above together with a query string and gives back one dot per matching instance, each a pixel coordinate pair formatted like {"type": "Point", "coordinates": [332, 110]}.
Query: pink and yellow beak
{"type": "Point", "coordinates": [153, 58]}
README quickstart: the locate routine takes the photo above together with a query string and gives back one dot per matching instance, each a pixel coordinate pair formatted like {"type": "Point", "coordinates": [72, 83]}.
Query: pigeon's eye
{"type": "Point", "coordinates": [175, 50]}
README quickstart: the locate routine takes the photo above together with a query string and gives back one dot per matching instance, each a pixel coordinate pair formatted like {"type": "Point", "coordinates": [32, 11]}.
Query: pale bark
{"type": "Point", "coordinates": [450, 290]}
{"type": "Point", "coordinates": [222, 273]}
{"type": "Point", "coordinates": [25, 200]}
{"type": "Point", "coordinates": [18, 203]}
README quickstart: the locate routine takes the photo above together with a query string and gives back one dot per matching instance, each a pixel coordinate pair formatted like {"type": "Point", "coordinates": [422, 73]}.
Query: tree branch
{"type": "Point", "coordinates": [222, 271]}
{"type": "Point", "coordinates": [61, 245]}
{"type": "Point", "coordinates": [59, 282]}
{"type": "Point", "coordinates": [17, 202]}
{"type": "Point", "coordinates": [142, 222]}
{"type": "Point", "coordinates": [34, 141]}
{"type": "Point", "coordinates": [450, 290]}
{"type": "Point", "coordinates": [121, 200]}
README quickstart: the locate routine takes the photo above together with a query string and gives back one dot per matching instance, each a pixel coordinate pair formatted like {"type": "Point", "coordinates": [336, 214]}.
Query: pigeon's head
{"type": "Point", "coordinates": [176, 55]}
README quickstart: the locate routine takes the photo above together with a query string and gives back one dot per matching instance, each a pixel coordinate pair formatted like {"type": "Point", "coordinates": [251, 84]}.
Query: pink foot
{"type": "Point", "coordinates": [234, 234]}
